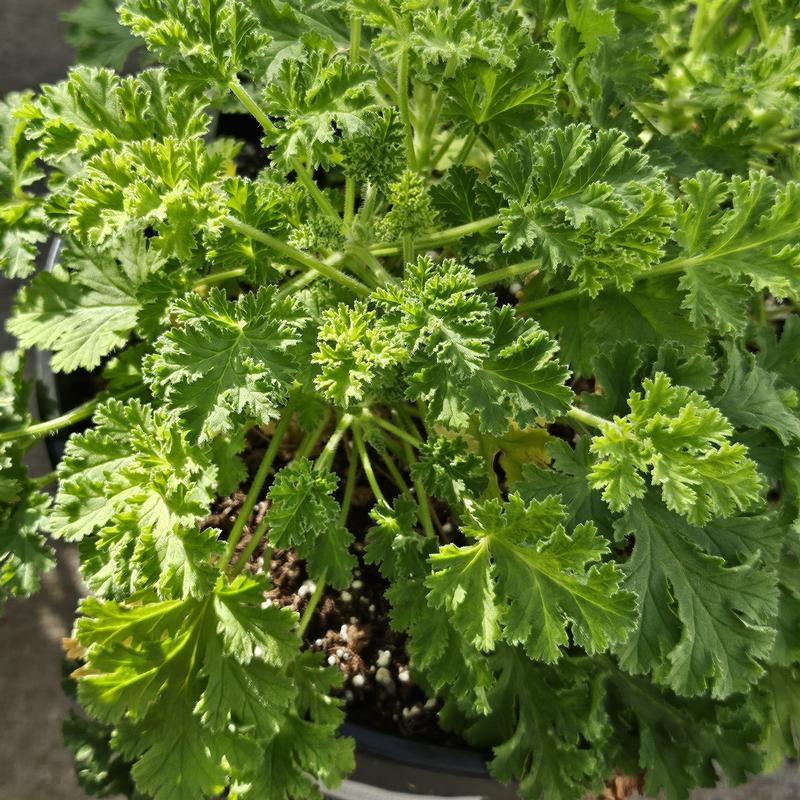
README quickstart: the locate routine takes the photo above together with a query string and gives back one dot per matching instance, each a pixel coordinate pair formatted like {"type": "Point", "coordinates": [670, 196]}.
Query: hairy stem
{"type": "Point", "coordinates": [349, 488]}
{"type": "Point", "coordinates": [326, 456]}
{"type": "Point", "coordinates": [511, 271]}
{"type": "Point", "coordinates": [422, 495]}
{"type": "Point", "coordinates": [325, 268]}
{"type": "Point", "coordinates": [311, 607]}
{"type": "Point", "coordinates": [405, 114]}
{"type": "Point", "coordinates": [587, 418]}
{"type": "Point", "coordinates": [248, 551]}
{"type": "Point", "coordinates": [466, 148]}
{"type": "Point", "coordinates": [390, 427]}
{"type": "Point", "coordinates": [761, 21]}
{"type": "Point", "coordinates": [440, 237]}
{"type": "Point", "coordinates": [350, 183]}
{"type": "Point", "coordinates": [443, 148]}
{"type": "Point", "coordinates": [307, 179]}
{"type": "Point", "coordinates": [258, 481]}
{"type": "Point", "coordinates": [252, 106]}
{"type": "Point", "coordinates": [381, 275]}
{"type": "Point", "coordinates": [77, 414]}
{"type": "Point", "coordinates": [219, 277]}
{"type": "Point", "coordinates": [394, 472]}
{"type": "Point", "coordinates": [408, 248]}
{"type": "Point", "coordinates": [366, 465]}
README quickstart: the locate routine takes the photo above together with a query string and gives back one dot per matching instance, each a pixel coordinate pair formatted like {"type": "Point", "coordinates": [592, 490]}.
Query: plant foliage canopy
{"type": "Point", "coordinates": [526, 273]}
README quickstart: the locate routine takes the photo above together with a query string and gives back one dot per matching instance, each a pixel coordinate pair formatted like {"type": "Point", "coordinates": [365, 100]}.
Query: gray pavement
{"type": "Point", "coordinates": [34, 764]}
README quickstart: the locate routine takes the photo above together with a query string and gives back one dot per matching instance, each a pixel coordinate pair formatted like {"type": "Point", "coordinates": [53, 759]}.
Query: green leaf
{"type": "Point", "coordinates": [568, 477]}
{"type": "Point", "coordinates": [586, 203]}
{"type": "Point", "coordinates": [172, 186]}
{"type": "Point", "coordinates": [741, 230]}
{"type": "Point", "coordinates": [703, 625]}
{"type": "Point", "coordinates": [521, 379]}
{"type": "Point", "coordinates": [95, 109]}
{"type": "Point", "coordinates": [88, 306]}
{"type": "Point", "coordinates": [545, 729]}
{"type": "Point", "coordinates": [499, 100]}
{"type": "Point", "coordinates": [682, 743]}
{"type": "Point", "coordinates": [352, 350]}
{"type": "Point", "coordinates": [395, 544]}
{"type": "Point", "coordinates": [22, 226]}
{"type": "Point", "coordinates": [749, 397]}
{"type": "Point", "coordinates": [315, 96]}
{"type": "Point", "coordinates": [226, 362]}
{"type": "Point", "coordinates": [136, 487]}
{"type": "Point", "coordinates": [204, 689]}
{"type": "Point", "coordinates": [94, 30]}
{"type": "Point", "coordinates": [486, 587]}
{"type": "Point", "coordinates": [465, 358]}
{"type": "Point", "coordinates": [304, 515]}
{"type": "Point", "coordinates": [24, 551]}
{"type": "Point", "coordinates": [204, 43]}
{"type": "Point", "coordinates": [683, 442]}
{"type": "Point", "coordinates": [307, 746]}
{"type": "Point", "coordinates": [449, 470]}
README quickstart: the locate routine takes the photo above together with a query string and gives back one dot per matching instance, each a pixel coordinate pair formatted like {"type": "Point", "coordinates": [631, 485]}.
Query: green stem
{"type": "Point", "coordinates": [761, 21]}
{"type": "Point", "coordinates": [310, 441]}
{"type": "Point", "coordinates": [77, 414]}
{"type": "Point", "coordinates": [698, 23]}
{"type": "Point", "coordinates": [255, 540]}
{"type": "Point", "coordinates": [405, 114]}
{"type": "Point", "coordinates": [394, 472]}
{"type": "Point", "coordinates": [349, 488]}
{"type": "Point", "coordinates": [422, 496]}
{"type": "Point", "coordinates": [326, 456]}
{"type": "Point", "coordinates": [443, 148]}
{"type": "Point", "coordinates": [366, 465]}
{"type": "Point", "coordinates": [440, 237]}
{"type": "Point", "coordinates": [511, 271]}
{"type": "Point", "coordinates": [408, 248]}
{"type": "Point", "coordinates": [311, 607]}
{"type": "Point", "coordinates": [44, 480]}
{"type": "Point", "coordinates": [435, 112]}
{"type": "Point", "coordinates": [325, 268]}
{"type": "Point", "coordinates": [466, 148]}
{"type": "Point", "coordinates": [587, 418]}
{"type": "Point", "coordinates": [258, 481]}
{"type": "Point", "coordinates": [381, 275]}
{"type": "Point", "coordinates": [350, 183]}
{"type": "Point", "coordinates": [252, 106]}
{"type": "Point", "coordinates": [219, 277]}
{"type": "Point", "coordinates": [296, 284]}
{"type": "Point", "coordinates": [307, 179]}
{"type": "Point", "coordinates": [349, 200]}
{"type": "Point", "coordinates": [392, 428]}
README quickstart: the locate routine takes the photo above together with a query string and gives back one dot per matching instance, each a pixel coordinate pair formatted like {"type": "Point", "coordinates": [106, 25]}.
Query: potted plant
{"type": "Point", "coordinates": [462, 405]}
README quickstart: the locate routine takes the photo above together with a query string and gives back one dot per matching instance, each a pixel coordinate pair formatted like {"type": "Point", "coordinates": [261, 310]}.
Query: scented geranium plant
{"type": "Point", "coordinates": [504, 318]}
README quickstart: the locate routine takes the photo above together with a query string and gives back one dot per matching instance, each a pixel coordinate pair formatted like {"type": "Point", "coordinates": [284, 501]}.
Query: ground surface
{"type": "Point", "coordinates": [33, 762]}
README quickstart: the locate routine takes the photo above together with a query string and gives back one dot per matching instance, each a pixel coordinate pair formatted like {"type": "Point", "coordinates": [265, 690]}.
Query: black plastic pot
{"type": "Point", "coordinates": [391, 768]}
{"type": "Point", "coordinates": [387, 767]}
